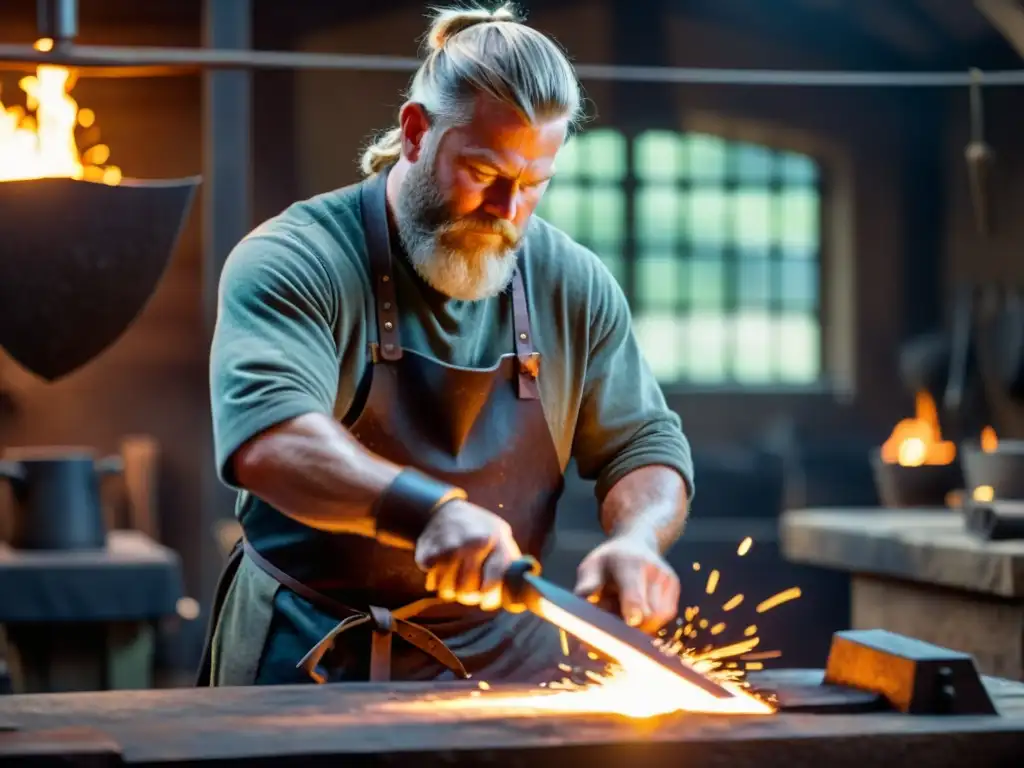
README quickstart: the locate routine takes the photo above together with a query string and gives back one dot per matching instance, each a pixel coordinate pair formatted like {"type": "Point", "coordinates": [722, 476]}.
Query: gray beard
{"type": "Point", "coordinates": [467, 274]}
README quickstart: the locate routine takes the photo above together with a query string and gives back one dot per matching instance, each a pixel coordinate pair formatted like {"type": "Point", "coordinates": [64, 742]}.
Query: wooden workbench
{"type": "Point", "coordinates": [919, 573]}
{"type": "Point", "coordinates": [364, 725]}
{"type": "Point", "coordinates": [85, 620]}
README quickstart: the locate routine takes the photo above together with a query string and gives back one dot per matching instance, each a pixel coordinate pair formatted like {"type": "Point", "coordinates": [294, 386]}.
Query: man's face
{"type": "Point", "coordinates": [469, 193]}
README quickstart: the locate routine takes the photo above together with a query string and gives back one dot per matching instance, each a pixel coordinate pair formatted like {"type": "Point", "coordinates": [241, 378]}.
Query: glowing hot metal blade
{"type": "Point", "coordinates": [601, 630]}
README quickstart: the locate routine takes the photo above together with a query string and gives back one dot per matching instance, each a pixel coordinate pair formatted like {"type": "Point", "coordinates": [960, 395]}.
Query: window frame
{"type": "Point", "coordinates": [728, 182]}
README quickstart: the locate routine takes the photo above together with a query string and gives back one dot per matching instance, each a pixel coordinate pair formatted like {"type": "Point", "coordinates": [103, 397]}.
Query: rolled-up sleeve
{"type": "Point", "coordinates": [274, 355]}
{"type": "Point", "coordinates": [624, 422]}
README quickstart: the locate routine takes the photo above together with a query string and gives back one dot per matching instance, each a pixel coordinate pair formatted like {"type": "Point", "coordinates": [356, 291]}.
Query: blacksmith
{"type": "Point", "coordinates": [402, 371]}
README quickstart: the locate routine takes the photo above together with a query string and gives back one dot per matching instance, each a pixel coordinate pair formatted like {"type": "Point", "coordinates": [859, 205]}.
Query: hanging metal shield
{"type": "Point", "coordinates": [78, 263]}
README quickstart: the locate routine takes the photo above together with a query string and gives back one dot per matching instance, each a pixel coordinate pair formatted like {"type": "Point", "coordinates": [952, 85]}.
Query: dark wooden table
{"type": "Point", "coordinates": [82, 621]}
{"type": "Point", "coordinates": [919, 573]}
{"type": "Point", "coordinates": [357, 725]}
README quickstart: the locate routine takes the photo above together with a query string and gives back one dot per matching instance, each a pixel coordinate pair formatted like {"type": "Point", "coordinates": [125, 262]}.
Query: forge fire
{"type": "Point", "coordinates": [39, 140]}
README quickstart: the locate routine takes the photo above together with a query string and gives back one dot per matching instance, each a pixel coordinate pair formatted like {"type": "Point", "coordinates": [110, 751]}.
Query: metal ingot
{"type": "Point", "coordinates": [915, 677]}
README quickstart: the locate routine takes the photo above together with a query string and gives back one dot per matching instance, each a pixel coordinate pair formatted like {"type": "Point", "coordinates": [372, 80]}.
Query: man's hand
{"type": "Point", "coordinates": [646, 586]}
{"type": "Point", "coordinates": [465, 551]}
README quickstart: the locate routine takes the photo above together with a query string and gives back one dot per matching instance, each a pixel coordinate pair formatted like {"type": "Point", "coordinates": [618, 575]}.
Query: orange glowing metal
{"type": "Point", "coordinates": [636, 686]}
{"type": "Point", "coordinates": [40, 142]}
{"type": "Point", "coordinates": [656, 691]}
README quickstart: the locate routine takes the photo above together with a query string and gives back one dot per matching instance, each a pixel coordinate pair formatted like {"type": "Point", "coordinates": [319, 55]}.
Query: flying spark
{"type": "Point", "coordinates": [732, 602]}
{"type": "Point", "coordinates": [778, 599]}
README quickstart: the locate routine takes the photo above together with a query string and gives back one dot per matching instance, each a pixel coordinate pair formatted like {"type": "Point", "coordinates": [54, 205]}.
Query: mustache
{"type": "Point", "coordinates": [505, 229]}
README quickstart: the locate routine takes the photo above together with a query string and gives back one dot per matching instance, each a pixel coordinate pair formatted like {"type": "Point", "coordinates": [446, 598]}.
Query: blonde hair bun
{"type": "Point", "coordinates": [504, 59]}
{"type": "Point", "coordinates": [450, 22]}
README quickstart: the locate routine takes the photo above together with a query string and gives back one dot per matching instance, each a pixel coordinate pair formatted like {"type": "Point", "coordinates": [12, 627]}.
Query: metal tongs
{"type": "Point", "coordinates": [525, 589]}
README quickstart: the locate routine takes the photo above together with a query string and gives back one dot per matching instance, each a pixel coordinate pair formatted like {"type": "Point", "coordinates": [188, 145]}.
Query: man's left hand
{"type": "Point", "coordinates": [646, 586]}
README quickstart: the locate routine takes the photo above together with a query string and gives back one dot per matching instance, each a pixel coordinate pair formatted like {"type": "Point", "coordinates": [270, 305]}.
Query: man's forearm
{"type": "Point", "coordinates": [311, 469]}
{"type": "Point", "coordinates": [650, 502]}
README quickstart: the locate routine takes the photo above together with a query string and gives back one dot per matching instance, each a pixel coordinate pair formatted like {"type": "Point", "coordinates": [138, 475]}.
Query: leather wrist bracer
{"type": "Point", "coordinates": [406, 506]}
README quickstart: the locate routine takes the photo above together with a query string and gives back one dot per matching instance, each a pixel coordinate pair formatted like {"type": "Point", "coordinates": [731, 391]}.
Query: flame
{"type": "Point", "coordinates": [40, 142]}
{"type": "Point", "coordinates": [918, 441]}
{"type": "Point", "coordinates": [989, 440]}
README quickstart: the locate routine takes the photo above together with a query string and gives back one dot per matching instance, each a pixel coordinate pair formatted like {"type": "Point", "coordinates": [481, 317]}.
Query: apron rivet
{"type": "Point", "coordinates": [387, 305]}
{"type": "Point", "coordinates": [388, 325]}
{"type": "Point", "coordinates": [522, 336]}
{"type": "Point", "coordinates": [385, 279]}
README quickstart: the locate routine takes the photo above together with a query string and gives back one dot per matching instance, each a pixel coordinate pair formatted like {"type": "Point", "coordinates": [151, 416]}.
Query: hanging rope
{"type": "Point", "coordinates": [142, 62]}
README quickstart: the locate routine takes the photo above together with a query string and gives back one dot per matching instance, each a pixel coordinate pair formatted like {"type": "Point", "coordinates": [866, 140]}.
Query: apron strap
{"type": "Point", "coordinates": [373, 201]}
{"type": "Point", "coordinates": [383, 622]}
{"type": "Point", "coordinates": [383, 625]}
{"type": "Point", "coordinates": [528, 360]}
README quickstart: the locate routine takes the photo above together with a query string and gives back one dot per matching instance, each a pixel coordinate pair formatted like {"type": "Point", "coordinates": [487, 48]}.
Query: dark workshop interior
{"type": "Point", "coordinates": [826, 276]}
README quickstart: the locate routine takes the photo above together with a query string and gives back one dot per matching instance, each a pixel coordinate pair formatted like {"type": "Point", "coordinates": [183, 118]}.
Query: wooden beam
{"type": "Point", "coordinates": [824, 32]}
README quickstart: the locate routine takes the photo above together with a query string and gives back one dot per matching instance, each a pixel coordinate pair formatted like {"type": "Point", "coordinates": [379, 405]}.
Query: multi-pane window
{"type": "Point", "coordinates": [719, 259]}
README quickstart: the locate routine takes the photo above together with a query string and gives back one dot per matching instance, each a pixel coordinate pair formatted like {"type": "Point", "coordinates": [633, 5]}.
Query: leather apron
{"type": "Point", "coordinates": [483, 430]}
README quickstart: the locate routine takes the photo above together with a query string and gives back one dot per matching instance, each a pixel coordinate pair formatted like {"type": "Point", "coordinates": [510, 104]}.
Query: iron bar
{"type": "Point", "coordinates": [150, 61]}
{"type": "Point", "coordinates": [227, 218]}
{"type": "Point", "coordinates": [57, 20]}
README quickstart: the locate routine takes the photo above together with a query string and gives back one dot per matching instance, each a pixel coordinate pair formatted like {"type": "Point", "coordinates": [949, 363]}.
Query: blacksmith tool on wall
{"type": "Point", "coordinates": [979, 157]}
{"type": "Point", "coordinates": [526, 589]}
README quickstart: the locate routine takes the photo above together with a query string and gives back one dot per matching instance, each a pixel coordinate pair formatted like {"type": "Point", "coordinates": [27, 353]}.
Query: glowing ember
{"type": "Point", "coordinates": [989, 443]}
{"type": "Point", "coordinates": [635, 686]}
{"type": "Point", "coordinates": [984, 493]}
{"type": "Point", "coordinates": [40, 142]}
{"type": "Point", "coordinates": [918, 441]}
